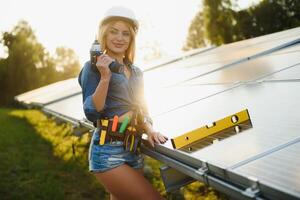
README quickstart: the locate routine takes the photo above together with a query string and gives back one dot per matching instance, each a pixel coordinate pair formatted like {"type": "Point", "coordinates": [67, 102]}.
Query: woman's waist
{"type": "Point", "coordinates": [121, 124]}
{"type": "Point", "coordinates": [122, 114]}
{"type": "Point", "coordinates": [123, 111]}
{"type": "Point", "coordinates": [127, 119]}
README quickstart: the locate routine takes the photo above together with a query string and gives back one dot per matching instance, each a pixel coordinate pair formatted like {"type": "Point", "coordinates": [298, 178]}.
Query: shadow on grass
{"type": "Point", "coordinates": [37, 161]}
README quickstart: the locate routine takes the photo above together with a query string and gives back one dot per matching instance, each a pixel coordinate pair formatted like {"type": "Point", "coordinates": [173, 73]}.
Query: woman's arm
{"type": "Point", "coordinates": [88, 80]}
{"type": "Point", "coordinates": [99, 96]}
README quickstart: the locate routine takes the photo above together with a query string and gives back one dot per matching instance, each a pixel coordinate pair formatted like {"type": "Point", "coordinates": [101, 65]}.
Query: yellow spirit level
{"type": "Point", "coordinates": [208, 134]}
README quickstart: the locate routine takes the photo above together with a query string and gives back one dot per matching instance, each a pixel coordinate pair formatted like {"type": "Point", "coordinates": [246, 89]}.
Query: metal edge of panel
{"type": "Point", "coordinates": [27, 104]}
{"type": "Point", "coordinates": [79, 124]}
{"type": "Point", "coordinates": [63, 98]}
{"type": "Point", "coordinates": [78, 128]}
{"type": "Point", "coordinates": [180, 155]}
{"type": "Point", "coordinates": [87, 124]}
{"type": "Point", "coordinates": [187, 159]}
{"type": "Point", "coordinates": [255, 186]}
{"type": "Point", "coordinates": [202, 165]}
{"type": "Point", "coordinates": [249, 186]}
{"type": "Point", "coordinates": [202, 174]}
{"type": "Point", "coordinates": [61, 116]}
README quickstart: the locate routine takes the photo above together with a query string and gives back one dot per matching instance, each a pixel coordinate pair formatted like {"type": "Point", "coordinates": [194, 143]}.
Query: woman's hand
{"type": "Point", "coordinates": [156, 137]}
{"type": "Point", "coordinates": [102, 64]}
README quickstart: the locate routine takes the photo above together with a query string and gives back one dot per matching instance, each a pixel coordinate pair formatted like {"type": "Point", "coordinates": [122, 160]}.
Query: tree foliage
{"type": "Point", "coordinates": [195, 37]}
{"type": "Point", "coordinates": [66, 62]}
{"type": "Point", "coordinates": [217, 21]}
{"type": "Point", "coordinates": [28, 64]}
{"type": "Point", "coordinates": [223, 23]}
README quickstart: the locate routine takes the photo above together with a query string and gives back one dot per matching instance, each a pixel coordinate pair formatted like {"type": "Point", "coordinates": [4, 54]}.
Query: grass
{"type": "Point", "coordinates": [35, 164]}
{"type": "Point", "coordinates": [40, 159]}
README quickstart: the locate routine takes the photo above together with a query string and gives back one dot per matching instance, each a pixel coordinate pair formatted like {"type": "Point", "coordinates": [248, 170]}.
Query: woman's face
{"type": "Point", "coordinates": [118, 38]}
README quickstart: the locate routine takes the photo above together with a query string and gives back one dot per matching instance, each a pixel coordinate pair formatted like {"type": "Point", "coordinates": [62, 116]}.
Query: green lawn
{"type": "Point", "coordinates": [40, 159]}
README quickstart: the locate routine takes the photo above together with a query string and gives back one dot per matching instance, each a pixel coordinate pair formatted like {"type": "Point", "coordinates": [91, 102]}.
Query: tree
{"type": "Point", "coordinates": [218, 20]}
{"type": "Point", "coordinates": [29, 65]}
{"type": "Point", "coordinates": [66, 62]}
{"type": "Point", "coordinates": [223, 24]}
{"type": "Point", "coordinates": [195, 37]}
{"type": "Point", "coordinates": [25, 55]}
{"type": "Point", "coordinates": [272, 16]}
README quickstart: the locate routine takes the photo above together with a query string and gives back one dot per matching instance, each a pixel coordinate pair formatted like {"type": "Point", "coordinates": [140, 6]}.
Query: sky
{"type": "Point", "coordinates": [73, 23]}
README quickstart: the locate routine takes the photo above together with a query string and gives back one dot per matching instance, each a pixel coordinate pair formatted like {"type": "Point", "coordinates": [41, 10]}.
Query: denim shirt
{"type": "Point", "coordinates": [123, 94]}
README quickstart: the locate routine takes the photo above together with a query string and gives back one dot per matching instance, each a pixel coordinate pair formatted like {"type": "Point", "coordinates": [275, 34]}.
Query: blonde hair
{"type": "Point", "coordinates": [102, 33]}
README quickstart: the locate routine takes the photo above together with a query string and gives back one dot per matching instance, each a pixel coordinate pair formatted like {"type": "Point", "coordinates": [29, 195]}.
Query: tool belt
{"type": "Point", "coordinates": [116, 131]}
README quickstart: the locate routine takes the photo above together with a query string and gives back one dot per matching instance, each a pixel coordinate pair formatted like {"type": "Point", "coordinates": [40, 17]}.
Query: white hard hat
{"type": "Point", "coordinates": [120, 12]}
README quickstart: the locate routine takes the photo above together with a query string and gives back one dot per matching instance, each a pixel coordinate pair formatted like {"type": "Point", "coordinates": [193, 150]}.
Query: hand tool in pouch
{"type": "Point", "coordinates": [104, 126]}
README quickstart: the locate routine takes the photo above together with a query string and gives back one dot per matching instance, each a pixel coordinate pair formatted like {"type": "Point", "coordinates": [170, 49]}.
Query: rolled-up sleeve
{"type": "Point", "coordinates": [88, 81]}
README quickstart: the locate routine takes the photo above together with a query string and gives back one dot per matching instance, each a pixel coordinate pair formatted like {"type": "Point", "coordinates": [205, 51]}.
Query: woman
{"type": "Point", "coordinates": [114, 157]}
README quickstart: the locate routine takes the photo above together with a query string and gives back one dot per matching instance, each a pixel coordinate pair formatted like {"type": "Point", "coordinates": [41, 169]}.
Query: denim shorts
{"type": "Point", "coordinates": [111, 155]}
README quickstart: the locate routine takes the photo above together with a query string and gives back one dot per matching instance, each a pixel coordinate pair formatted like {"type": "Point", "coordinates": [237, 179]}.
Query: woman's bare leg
{"type": "Point", "coordinates": [124, 183]}
{"type": "Point", "coordinates": [112, 197]}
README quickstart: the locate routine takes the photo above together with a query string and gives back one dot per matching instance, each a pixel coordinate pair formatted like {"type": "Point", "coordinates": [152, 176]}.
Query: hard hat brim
{"type": "Point", "coordinates": [119, 18]}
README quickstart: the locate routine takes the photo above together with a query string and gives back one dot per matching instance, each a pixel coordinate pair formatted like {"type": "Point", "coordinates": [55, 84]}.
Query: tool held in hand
{"type": "Point", "coordinates": [95, 51]}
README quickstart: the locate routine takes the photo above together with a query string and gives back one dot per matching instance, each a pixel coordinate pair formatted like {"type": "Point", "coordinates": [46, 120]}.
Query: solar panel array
{"type": "Point", "coordinates": [260, 74]}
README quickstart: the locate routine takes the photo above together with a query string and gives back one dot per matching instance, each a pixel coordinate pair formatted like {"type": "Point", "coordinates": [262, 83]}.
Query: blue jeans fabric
{"type": "Point", "coordinates": [111, 155]}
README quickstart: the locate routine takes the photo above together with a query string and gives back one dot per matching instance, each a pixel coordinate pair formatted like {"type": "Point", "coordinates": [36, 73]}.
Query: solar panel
{"type": "Point", "coordinates": [161, 100]}
{"type": "Point", "coordinates": [279, 170]}
{"type": "Point", "coordinates": [50, 93]}
{"type": "Point", "coordinates": [260, 74]}
{"type": "Point", "coordinates": [252, 69]}
{"type": "Point", "coordinates": [218, 58]}
{"type": "Point", "coordinates": [71, 107]}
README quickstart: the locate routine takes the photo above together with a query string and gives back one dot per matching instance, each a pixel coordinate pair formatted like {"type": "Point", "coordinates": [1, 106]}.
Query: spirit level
{"type": "Point", "coordinates": [233, 123]}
